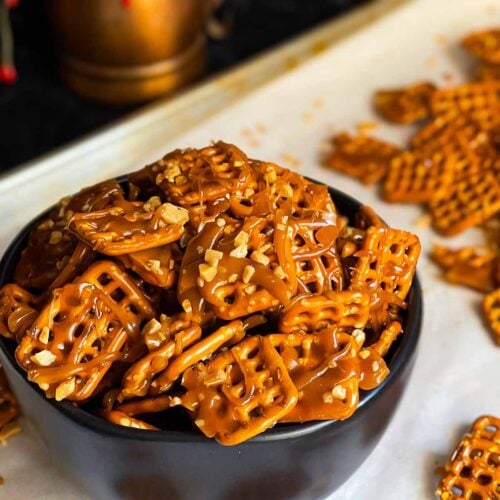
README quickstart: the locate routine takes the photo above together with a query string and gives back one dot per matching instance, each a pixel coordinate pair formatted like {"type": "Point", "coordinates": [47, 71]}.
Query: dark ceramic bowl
{"type": "Point", "coordinates": [290, 461]}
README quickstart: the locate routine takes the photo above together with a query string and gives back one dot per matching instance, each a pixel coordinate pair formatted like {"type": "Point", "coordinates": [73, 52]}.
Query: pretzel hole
{"type": "Point", "coordinates": [118, 295]}
{"type": "Point", "coordinates": [306, 265]}
{"type": "Point", "coordinates": [484, 479]}
{"type": "Point", "coordinates": [494, 460]}
{"type": "Point", "coordinates": [132, 309]}
{"type": "Point", "coordinates": [466, 472]}
{"type": "Point", "coordinates": [476, 453]}
{"type": "Point", "coordinates": [59, 317]}
{"type": "Point", "coordinates": [313, 287]}
{"type": "Point", "coordinates": [229, 299]}
{"type": "Point", "coordinates": [476, 496]}
{"type": "Point", "coordinates": [253, 353]}
{"type": "Point", "coordinates": [255, 412]}
{"type": "Point", "coordinates": [104, 279]}
{"type": "Point", "coordinates": [78, 331]}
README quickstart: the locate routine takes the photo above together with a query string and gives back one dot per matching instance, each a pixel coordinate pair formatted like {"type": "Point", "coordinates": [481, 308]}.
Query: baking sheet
{"type": "Point", "coordinates": [456, 376]}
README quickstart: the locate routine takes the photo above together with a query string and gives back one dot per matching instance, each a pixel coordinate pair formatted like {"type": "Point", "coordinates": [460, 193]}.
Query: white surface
{"type": "Point", "coordinates": [457, 371]}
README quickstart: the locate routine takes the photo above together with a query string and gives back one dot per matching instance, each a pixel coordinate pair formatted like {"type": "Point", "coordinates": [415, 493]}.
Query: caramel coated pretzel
{"type": "Point", "coordinates": [407, 105]}
{"type": "Point", "coordinates": [73, 342]}
{"type": "Point", "coordinates": [363, 157]}
{"type": "Point", "coordinates": [157, 266]}
{"type": "Point", "coordinates": [325, 369]}
{"type": "Point", "coordinates": [119, 418]}
{"type": "Point", "coordinates": [479, 101]}
{"type": "Point", "coordinates": [415, 178]}
{"type": "Point", "coordinates": [131, 226]}
{"type": "Point", "coordinates": [144, 406]}
{"type": "Point", "coordinates": [312, 313]}
{"type": "Point", "coordinates": [484, 44]}
{"type": "Point", "coordinates": [470, 266]}
{"type": "Point", "coordinates": [228, 334]}
{"type": "Point", "coordinates": [239, 393]}
{"type": "Point", "coordinates": [491, 308]}
{"type": "Point", "coordinates": [314, 250]}
{"type": "Point", "coordinates": [384, 268]}
{"type": "Point", "coordinates": [373, 369]}
{"type": "Point", "coordinates": [18, 311]}
{"type": "Point", "coordinates": [51, 244]}
{"type": "Point", "coordinates": [488, 71]}
{"type": "Point", "coordinates": [470, 200]}
{"type": "Point", "coordinates": [127, 299]}
{"type": "Point", "coordinates": [473, 470]}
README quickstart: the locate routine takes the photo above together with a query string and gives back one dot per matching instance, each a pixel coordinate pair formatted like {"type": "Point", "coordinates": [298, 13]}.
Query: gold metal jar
{"type": "Point", "coordinates": [125, 52]}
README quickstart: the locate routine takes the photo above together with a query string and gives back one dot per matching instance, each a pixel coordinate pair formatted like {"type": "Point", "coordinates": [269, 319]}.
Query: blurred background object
{"type": "Point", "coordinates": [126, 51]}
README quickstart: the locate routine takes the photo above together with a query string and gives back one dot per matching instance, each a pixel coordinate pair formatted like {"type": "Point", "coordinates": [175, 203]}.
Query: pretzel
{"type": "Point", "coordinates": [313, 248]}
{"type": "Point", "coordinates": [407, 105]}
{"type": "Point", "coordinates": [479, 101]}
{"type": "Point", "coordinates": [384, 268]}
{"type": "Point", "coordinates": [126, 298]}
{"type": "Point", "coordinates": [367, 217]}
{"type": "Point", "coordinates": [50, 244]}
{"type": "Point", "coordinates": [473, 470]}
{"type": "Point", "coordinates": [9, 408]}
{"type": "Point", "coordinates": [156, 266]}
{"type": "Point", "coordinates": [373, 369]}
{"type": "Point", "coordinates": [444, 133]}
{"type": "Point", "coordinates": [154, 404]}
{"type": "Point", "coordinates": [325, 369]}
{"type": "Point", "coordinates": [139, 377]}
{"type": "Point", "coordinates": [239, 393]}
{"type": "Point", "coordinates": [363, 157]}
{"type": "Point", "coordinates": [484, 44]}
{"type": "Point", "coordinates": [131, 226]}
{"type": "Point", "coordinates": [471, 199]}
{"type": "Point", "coordinates": [312, 313]}
{"type": "Point", "coordinates": [18, 310]}
{"type": "Point", "coordinates": [227, 274]}
{"type": "Point", "coordinates": [491, 309]}
{"type": "Point", "coordinates": [470, 266]}
{"type": "Point", "coordinates": [229, 334]}
{"type": "Point", "coordinates": [73, 342]}
{"type": "Point", "coordinates": [120, 418]}
{"type": "Point", "coordinates": [415, 178]}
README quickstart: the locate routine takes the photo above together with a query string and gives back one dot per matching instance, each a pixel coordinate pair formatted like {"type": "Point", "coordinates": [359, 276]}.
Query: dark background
{"type": "Point", "coordinates": [38, 113]}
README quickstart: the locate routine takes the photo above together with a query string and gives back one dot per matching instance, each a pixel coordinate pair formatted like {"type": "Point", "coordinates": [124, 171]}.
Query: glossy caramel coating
{"type": "Point", "coordinates": [18, 310]}
{"type": "Point", "coordinates": [51, 244]}
{"type": "Point", "coordinates": [128, 227]}
{"type": "Point", "coordinates": [239, 393]}
{"type": "Point", "coordinates": [119, 418]}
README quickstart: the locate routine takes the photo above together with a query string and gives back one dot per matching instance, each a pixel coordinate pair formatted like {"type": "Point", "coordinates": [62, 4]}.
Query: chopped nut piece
{"type": "Point", "coordinates": [46, 224]}
{"type": "Point", "coordinates": [248, 192]}
{"type": "Point", "coordinates": [172, 214]}
{"type": "Point", "coordinates": [278, 271]}
{"type": "Point", "coordinates": [339, 392]}
{"type": "Point", "coordinates": [55, 237]}
{"type": "Point", "coordinates": [207, 272]}
{"type": "Point", "coordinates": [172, 171]}
{"type": "Point", "coordinates": [186, 305]}
{"type": "Point", "coordinates": [171, 264]}
{"type": "Point", "coordinates": [260, 258]}
{"type": "Point", "coordinates": [154, 266]}
{"type": "Point", "coordinates": [250, 289]}
{"type": "Point", "coordinates": [220, 222]}
{"type": "Point", "coordinates": [375, 366]}
{"type": "Point", "coordinates": [44, 335]}
{"type": "Point", "coordinates": [43, 358]}
{"type": "Point", "coordinates": [248, 272]}
{"type": "Point", "coordinates": [180, 180]}
{"type": "Point", "coordinates": [152, 326]}
{"type": "Point", "coordinates": [200, 422]}
{"type": "Point", "coordinates": [241, 239]}
{"type": "Point", "coordinates": [359, 336]}
{"type": "Point", "coordinates": [365, 353]}
{"type": "Point", "coordinates": [213, 257]}
{"type": "Point", "coordinates": [233, 278]}
{"type": "Point", "coordinates": [65, 389]}
{"type": "Point", "coordinates": [152, 204]}
{"type": "Point", "coordinates": [327, 397]}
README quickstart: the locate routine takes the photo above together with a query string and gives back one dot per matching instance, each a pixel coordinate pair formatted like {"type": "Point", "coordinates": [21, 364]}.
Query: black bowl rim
{"type": "Point", "coordinates": [405, 347]}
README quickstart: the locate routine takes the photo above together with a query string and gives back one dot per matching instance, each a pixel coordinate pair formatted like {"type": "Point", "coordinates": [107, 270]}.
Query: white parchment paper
{"type": "Point", "coordinates": [457, 373]}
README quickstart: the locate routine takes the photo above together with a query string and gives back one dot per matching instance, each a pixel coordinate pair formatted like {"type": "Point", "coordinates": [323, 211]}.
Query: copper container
{"type": "Point", "coordinates": [123, 52]}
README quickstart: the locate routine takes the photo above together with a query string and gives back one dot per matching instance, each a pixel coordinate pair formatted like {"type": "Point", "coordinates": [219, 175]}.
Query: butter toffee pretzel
{"type": "Point", "coordinates": [210, 284]}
